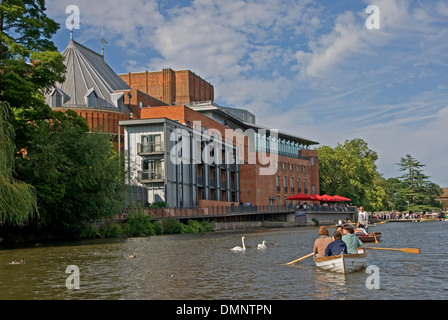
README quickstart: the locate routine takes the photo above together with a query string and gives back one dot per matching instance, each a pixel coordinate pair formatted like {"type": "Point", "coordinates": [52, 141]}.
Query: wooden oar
{"type": "Point", "coordinates": [376, 240]}
{"type": "Point", "coordinates": [407, 250]}
{"type": "Point", "coordinates": [292, 262]}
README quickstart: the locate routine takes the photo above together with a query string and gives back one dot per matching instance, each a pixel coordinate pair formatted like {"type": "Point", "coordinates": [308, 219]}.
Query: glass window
{"type": "Point", "coordinates": [91, 100]}
{"type": "Point", "coordinates": [56, 100]}
{"type": "Point", "coordinates": [152, 143]}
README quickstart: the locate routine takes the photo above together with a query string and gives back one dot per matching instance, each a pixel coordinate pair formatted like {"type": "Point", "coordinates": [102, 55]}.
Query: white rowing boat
{"type": "Point", "coordinates": [343, 263]}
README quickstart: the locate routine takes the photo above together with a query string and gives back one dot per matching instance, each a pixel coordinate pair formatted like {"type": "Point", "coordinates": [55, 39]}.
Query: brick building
{"type": "Point", "coordinates": [260, 165]}
{"type": "Point", "coordinates": [272, 165]}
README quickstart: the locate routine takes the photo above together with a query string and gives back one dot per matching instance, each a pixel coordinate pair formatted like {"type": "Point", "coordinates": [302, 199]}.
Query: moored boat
{"type": "Point", "coordinates": [369, 237]}
{"type": "Point", "coordinates": [343, 263]}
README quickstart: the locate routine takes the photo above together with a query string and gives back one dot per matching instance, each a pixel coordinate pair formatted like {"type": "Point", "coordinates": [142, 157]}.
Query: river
{"type": "Point", "coordinates": [202, 267]}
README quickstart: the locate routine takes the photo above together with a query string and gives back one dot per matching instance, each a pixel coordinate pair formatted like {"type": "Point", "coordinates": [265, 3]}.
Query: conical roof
{"type": "Point", "coordinates": [87, 73]}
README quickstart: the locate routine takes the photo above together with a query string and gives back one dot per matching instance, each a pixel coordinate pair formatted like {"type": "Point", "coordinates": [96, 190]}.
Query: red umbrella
{"type": "Point", "coordinates": [339, 198]}
{"type": "Point", "coordinates": [315, 197]}
{"type": "Point", "coordinates": [299, 196]}
{"type": "Point", "coordinates": [326, 198]}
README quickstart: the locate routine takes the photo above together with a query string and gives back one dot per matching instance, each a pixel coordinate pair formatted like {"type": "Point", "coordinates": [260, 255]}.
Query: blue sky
{"type": "Point", "coordinates": [311, 68]}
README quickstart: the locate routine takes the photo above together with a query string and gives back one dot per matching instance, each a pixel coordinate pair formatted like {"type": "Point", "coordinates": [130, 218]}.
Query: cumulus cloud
{"type": "Point", "coordinates": [308, 67]}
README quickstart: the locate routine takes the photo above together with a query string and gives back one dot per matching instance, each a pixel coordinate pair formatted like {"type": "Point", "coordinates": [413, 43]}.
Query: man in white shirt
{"type": "Point", "coordinates": [363, 219]}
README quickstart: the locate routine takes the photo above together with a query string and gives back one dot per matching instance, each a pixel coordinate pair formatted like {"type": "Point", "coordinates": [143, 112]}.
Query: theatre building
{"type": "Point", "coordinates": [180, 147]}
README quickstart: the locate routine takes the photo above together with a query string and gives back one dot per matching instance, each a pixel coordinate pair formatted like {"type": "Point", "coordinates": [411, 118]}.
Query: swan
{"type": "Point", "coordinates": [238, 248]}
{"type": "Point", "coordinates": [22, 261]}
{"type": "Point", "coordinates": [262, 246]}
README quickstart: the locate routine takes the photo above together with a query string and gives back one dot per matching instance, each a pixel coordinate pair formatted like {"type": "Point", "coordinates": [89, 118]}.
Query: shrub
{"type": "Point", "coordinates": [170, 226]}
{"type": "Point", "coordinates": [111, 230]}
{"type": "Point", "coordinates": [139, 225]}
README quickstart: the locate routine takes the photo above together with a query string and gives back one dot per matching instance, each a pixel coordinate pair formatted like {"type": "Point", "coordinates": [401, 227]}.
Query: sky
{"type": "Point", "coordinates": [329, 71]}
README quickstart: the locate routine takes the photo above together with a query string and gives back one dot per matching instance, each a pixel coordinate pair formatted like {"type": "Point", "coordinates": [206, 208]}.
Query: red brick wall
{"type": "Point", "coordinates": [255, 188]}
{"type": "Point", "coordinates": [171, 86]}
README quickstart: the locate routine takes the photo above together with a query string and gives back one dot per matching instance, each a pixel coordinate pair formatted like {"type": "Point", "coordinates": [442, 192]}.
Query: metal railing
{"type": "Point", "coordinates": [150, 175]}
{"type": "Point", "coordinates": [214, 211]}
{"type": "Point", "coordinates": [235, 210]}
{"type": "Point", "coordinates": [149, 147]}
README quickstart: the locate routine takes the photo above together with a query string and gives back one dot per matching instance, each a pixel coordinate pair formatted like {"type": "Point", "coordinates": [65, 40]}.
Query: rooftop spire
{"type": "Point", "coordinates": [103, 41]}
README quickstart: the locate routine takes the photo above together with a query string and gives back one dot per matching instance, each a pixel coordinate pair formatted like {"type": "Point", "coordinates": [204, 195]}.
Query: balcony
{"type": "Point", "coordinates": [151, 176]}
{"type": "Point", "coordinates": [150, 148]}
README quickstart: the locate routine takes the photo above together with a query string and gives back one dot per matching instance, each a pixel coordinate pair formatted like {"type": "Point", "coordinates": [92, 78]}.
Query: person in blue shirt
{"type": "Point", "coordinates": [337, 246]}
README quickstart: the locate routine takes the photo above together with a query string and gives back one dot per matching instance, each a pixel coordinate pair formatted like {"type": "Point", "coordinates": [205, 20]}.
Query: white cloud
{"type": "Point", "coordinates": [126, 22]}
{"type": "Point", "coordinates": [307, 67]}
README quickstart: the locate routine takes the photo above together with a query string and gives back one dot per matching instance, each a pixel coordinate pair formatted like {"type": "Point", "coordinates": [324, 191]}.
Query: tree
{"type": "Point", "coordinates": [350, 170]}
{"type": "Point", "coordinates": [29, 61]}
{"type": "Point", "coordinates": [76, 174]}
{"type": "Point", "coordinates": [17, 199]}
{"type": "Point", "coordinates": [416, 187]}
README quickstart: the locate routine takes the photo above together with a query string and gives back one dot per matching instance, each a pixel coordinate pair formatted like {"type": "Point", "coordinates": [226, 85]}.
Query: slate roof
{"type": "Point", "coordinates": [87, 72]}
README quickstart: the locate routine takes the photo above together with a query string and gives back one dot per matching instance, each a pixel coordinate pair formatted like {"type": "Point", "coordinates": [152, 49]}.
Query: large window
{"type": "Point", "coordinates": [152, 143]}
{"type": "Point", "coordinates": [153, 169]}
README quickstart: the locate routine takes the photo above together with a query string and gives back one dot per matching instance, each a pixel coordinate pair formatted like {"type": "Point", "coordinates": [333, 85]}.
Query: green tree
{"type": "Point", "coordinates": [349, 169]}
{"type": "Point", "coordinates": [17, 199]}
{"type": "Point", "coordinates": [416, 186]}
{"type": "Point", "coordinates": [76, 174]}
{"type": "Point", "coordinates": [29, 61]}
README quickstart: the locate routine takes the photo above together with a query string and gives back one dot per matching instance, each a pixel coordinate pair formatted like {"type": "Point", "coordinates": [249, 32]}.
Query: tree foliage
{"type": "Point", "coordinates": [349, 169]}
{"type": "Point", "coordinates": [75, 173]}
{"type": "Point", "coordinates": [415, 187]}
{"type": "Point", "coordinates": [29, 62]}
{"type": "Point", "coordinates": [17, 199]}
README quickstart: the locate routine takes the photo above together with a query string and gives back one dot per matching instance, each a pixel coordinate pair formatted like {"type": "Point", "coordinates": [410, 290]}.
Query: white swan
{"type": "Point", "coordinates": [238, 248]}
{"type": "Point", "coordinates": [262, 246]}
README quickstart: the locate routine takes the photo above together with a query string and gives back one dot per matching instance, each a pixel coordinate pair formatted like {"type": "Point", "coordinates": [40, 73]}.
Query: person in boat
{"type": "Point", "coordinates": [350, 239]}
{"type": "Point", "coordinates": [337, 246]}
{"type": "Point", "coordinates": [363, 219]}
{"type": "Point", "coordinates": [339, 228]}
{"type": "Point", "coordinates": [322, 242]}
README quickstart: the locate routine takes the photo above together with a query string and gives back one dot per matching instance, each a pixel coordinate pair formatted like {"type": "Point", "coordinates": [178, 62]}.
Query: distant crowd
{"type": "Point", "coordinates": [325, 207]}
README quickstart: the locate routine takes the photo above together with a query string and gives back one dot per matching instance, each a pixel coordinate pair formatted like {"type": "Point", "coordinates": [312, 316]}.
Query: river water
{"type": "Point", "coordinates": [202, 267]}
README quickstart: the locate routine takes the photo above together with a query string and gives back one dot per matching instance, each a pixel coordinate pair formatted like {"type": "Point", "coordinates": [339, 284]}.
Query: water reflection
{"type": "Point", "coordinates": [330, 285]}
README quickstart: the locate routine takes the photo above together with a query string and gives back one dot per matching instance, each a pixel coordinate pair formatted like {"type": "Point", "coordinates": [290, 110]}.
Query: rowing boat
{"type": "Point", "coordinates": [370, 237]}
{"type": "Point", "coordinates": [343, 263]}
{"type": "Point", "coordinates": [367, 237]}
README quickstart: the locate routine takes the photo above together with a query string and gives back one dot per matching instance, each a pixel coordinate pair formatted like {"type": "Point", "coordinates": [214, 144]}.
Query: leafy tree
{"type": "Point", "coordinates": [17, 199]}
{"type": "Point", "coordinates": [416, 187]}
{"type": "Point", "coordinates": [29, 62]}
{"type": "Point", "coordinates": [75, 173]}
{"type": "Point", "coordinates": [349, 169]}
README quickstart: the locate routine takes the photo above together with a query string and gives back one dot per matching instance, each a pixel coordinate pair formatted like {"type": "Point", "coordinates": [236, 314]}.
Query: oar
{"type": "Point", "coordinates": [292, 262]}
{"type": "Point", "coordinates": [407, 250]}
{"type": "Point", "coordinates": [376, 241]}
